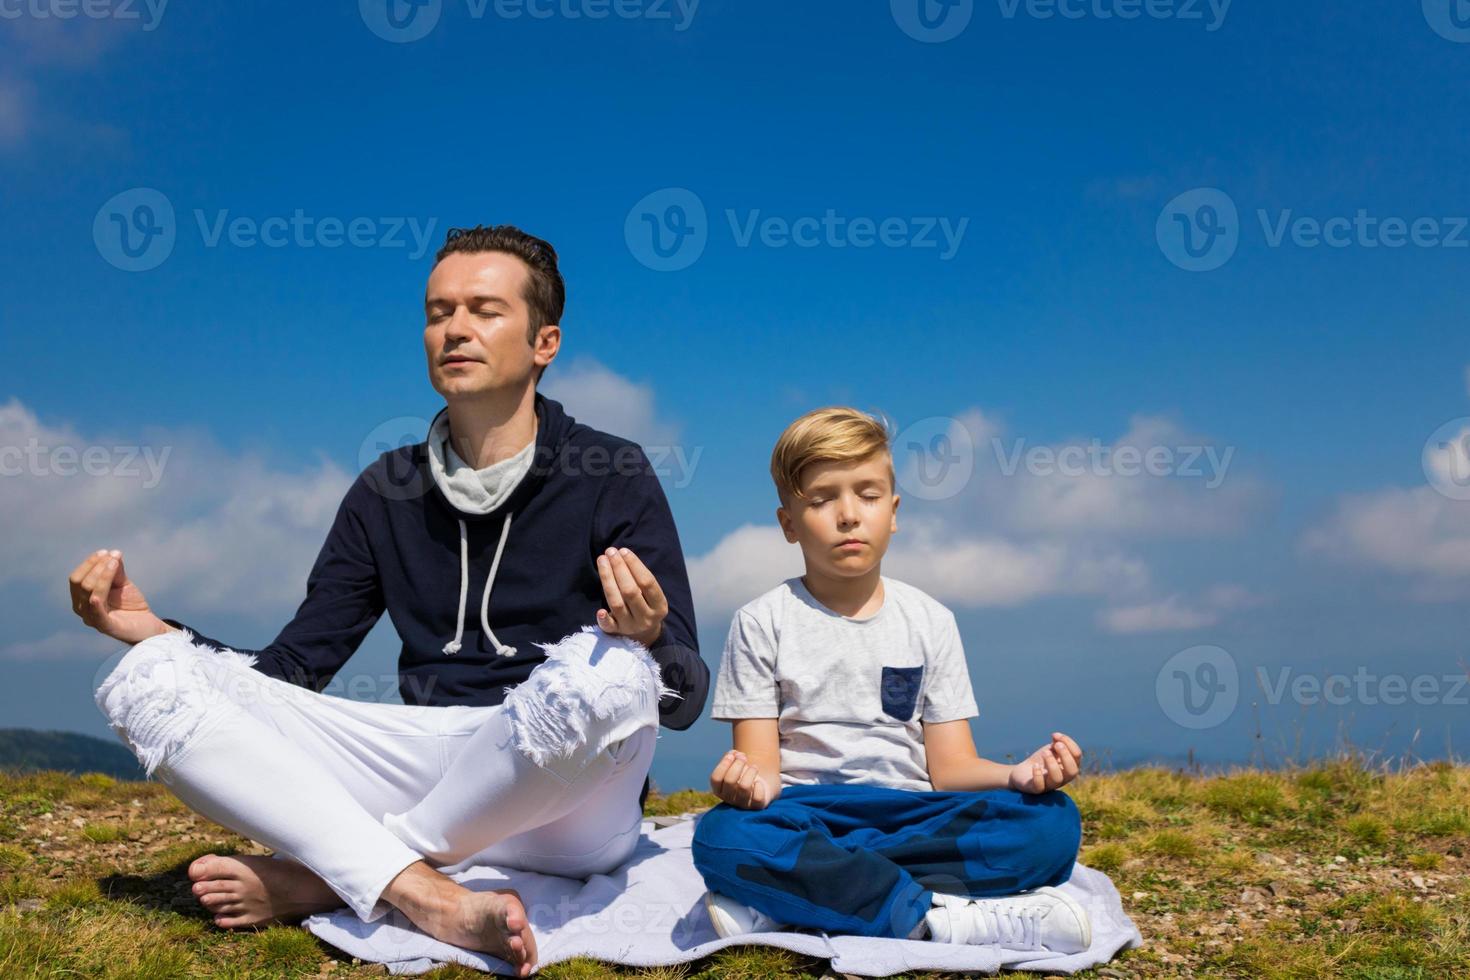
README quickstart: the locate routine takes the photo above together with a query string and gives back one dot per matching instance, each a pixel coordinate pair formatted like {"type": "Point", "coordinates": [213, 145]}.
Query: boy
{"type": "Point", "coordinates": [853, 800]}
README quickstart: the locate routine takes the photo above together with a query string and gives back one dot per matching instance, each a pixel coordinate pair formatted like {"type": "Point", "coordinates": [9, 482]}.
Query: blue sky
{"type": "Point", "coordinates": [1061, 152]}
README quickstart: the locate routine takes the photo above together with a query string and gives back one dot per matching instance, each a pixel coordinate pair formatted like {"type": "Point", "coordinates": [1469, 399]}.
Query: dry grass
{"type": "Point", "coordinates": [1340, 870]}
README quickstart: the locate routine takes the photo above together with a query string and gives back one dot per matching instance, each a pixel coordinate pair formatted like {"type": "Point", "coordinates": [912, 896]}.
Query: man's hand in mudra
{"type": "Point", "coordinates": [636, 606]}
{"type": "Point", "coordinates": [109, 602]}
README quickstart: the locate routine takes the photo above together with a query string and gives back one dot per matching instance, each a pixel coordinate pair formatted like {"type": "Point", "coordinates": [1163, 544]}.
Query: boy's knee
{"type": "Point", "coordinates": [1060, 827]}
{"type": "Point", "coordinates": [594, 689]}
{"type": "Point", "coordinates": [157, 696]}
{"type": "Point", "coordinates": [721, 829]}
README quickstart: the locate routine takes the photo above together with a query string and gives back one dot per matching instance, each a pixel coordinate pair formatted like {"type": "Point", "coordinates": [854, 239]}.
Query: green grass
{"type": "Point", "coordinates": [1339, 870]}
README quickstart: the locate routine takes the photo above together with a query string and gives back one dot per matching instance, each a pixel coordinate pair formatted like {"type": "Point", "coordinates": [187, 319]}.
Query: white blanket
{"type": "Point", "coordinates": [651, 912]}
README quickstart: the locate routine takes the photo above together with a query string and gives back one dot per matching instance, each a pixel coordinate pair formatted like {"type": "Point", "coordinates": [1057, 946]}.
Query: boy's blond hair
{"type": "Point", "coordinates": [836, 434]}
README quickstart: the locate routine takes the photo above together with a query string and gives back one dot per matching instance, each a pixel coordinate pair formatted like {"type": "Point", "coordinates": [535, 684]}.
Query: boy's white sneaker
{"type": "Point", "coordinates": [1041, 919]}
{"type": "Point", "coordinates": [731, 918]}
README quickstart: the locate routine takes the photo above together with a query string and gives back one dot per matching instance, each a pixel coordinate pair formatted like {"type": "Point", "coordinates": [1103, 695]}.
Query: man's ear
{"type": "Point", "coordinates": [547, 345]}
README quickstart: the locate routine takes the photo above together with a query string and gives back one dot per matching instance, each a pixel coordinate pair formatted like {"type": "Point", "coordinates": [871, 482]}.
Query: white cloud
{"type": "Point", "coordinates": [1155, 479]}
{"type": "Point", "coordinates": [748, 561]}
{"type": "Point", "coordinates": [1177, 612]}
{"type": "Point", "coordinates": [77, 643]}
{"type": "Point", "coordinates": [990, 570]}
{"type": "Point", "coordinates": [1417, 533]}
{"type": "Point", "coordinates": [200, 530]}
{"type": "Point", "coordinates": [605, 400]}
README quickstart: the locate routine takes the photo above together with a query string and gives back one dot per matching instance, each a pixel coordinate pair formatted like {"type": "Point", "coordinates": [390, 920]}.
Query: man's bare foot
{"type": "Point", "coordinates": [251, 890]}
{"type": "Point", "coordinates": [492, 922]}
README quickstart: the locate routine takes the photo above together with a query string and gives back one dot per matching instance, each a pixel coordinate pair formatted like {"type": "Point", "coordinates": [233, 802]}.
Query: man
{"type": "Point", "coordinates": [511, 748]}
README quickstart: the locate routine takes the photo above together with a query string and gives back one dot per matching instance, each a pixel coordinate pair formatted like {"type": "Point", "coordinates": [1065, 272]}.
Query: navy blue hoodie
{"type": "Point", "coordinates": [395, 545]}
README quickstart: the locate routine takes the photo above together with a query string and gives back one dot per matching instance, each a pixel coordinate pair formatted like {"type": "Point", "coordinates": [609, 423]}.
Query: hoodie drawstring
{"type": "Point", "coordinates": [453, 646]}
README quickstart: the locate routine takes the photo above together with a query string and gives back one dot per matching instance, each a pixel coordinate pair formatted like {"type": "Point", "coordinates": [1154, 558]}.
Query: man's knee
{"type": "Point", "coordinates": [158, 695]}
{"type": "Point", "coordinates": [594, 689]}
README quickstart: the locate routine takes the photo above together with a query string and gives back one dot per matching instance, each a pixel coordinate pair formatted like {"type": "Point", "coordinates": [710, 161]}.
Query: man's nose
{"type": "Point", "coordinates": [458, 326]}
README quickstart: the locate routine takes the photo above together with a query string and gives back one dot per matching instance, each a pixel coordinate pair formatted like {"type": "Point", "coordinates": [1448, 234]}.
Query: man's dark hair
{"type": "Point", "coordinates": [545, 293]}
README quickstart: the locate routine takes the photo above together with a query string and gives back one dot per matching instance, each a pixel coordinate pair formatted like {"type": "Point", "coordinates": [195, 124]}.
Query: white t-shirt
{"type": "Point", "coordinates": [849, 694]}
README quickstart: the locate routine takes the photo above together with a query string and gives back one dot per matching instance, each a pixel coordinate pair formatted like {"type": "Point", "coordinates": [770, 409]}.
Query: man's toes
{"type": "Point", "coordinates": [206, 867]}
{"type": "Point", "coordinates": [216, 901]}
{"type": "Point", "coordinates": [211, 885]}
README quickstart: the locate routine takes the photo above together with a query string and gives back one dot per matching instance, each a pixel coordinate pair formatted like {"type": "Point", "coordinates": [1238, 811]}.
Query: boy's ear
{"type": "Point", "coordinates": [893, 522]}
{"type": "Point", "coordinates": [787, 528]}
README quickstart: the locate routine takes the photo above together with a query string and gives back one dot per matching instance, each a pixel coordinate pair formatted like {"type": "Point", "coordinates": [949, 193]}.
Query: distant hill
{"type": "Point", "coordinates": [25, 750]}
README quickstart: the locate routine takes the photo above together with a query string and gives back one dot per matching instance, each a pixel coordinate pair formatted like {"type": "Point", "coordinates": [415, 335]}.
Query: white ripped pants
{"type": "Point", "coordinates": [547, 781]}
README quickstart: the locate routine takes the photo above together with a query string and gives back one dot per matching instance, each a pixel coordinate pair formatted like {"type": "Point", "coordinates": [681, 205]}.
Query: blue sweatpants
{"type": "Point", "coordinates": [864, 860]}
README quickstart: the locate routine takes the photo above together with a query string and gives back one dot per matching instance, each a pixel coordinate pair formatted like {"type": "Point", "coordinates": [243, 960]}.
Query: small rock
{"type": "Point", "coordinates": [1419, 882]}
{"type": "Point", "coordinates": [1140, 895]}
{"type": "Point", "coordinates": [1278, 888]}
{"type": "Point", "coordinates": [30, 905]}
{"type": "Point", "coordinates": [78, 822]}
{"type": "Point", "coordinates": [47, 816]}
{"type": "Point", "coordinates": [135, 802]}
{"type": "Point", "coordinates": [1253, 896]}
{"type": "Point", "coordinates": [1340, 859]}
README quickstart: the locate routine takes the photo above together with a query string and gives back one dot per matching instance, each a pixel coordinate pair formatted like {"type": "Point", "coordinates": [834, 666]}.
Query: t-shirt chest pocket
{"type": "Point", "coordinates": [899, 689]}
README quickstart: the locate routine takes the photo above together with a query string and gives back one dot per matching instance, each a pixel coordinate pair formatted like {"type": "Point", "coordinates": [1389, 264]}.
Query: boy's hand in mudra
{"type": "Point", "coordinates": [738, 782]}
{"type": "Point", "coordinates": [636, 606]}
{"type": "Point", "coordinates": [1049, 767]}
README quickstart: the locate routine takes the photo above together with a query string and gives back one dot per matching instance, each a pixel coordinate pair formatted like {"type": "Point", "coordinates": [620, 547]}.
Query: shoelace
{"type": "Point", "coordinates": [1008, 926]}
